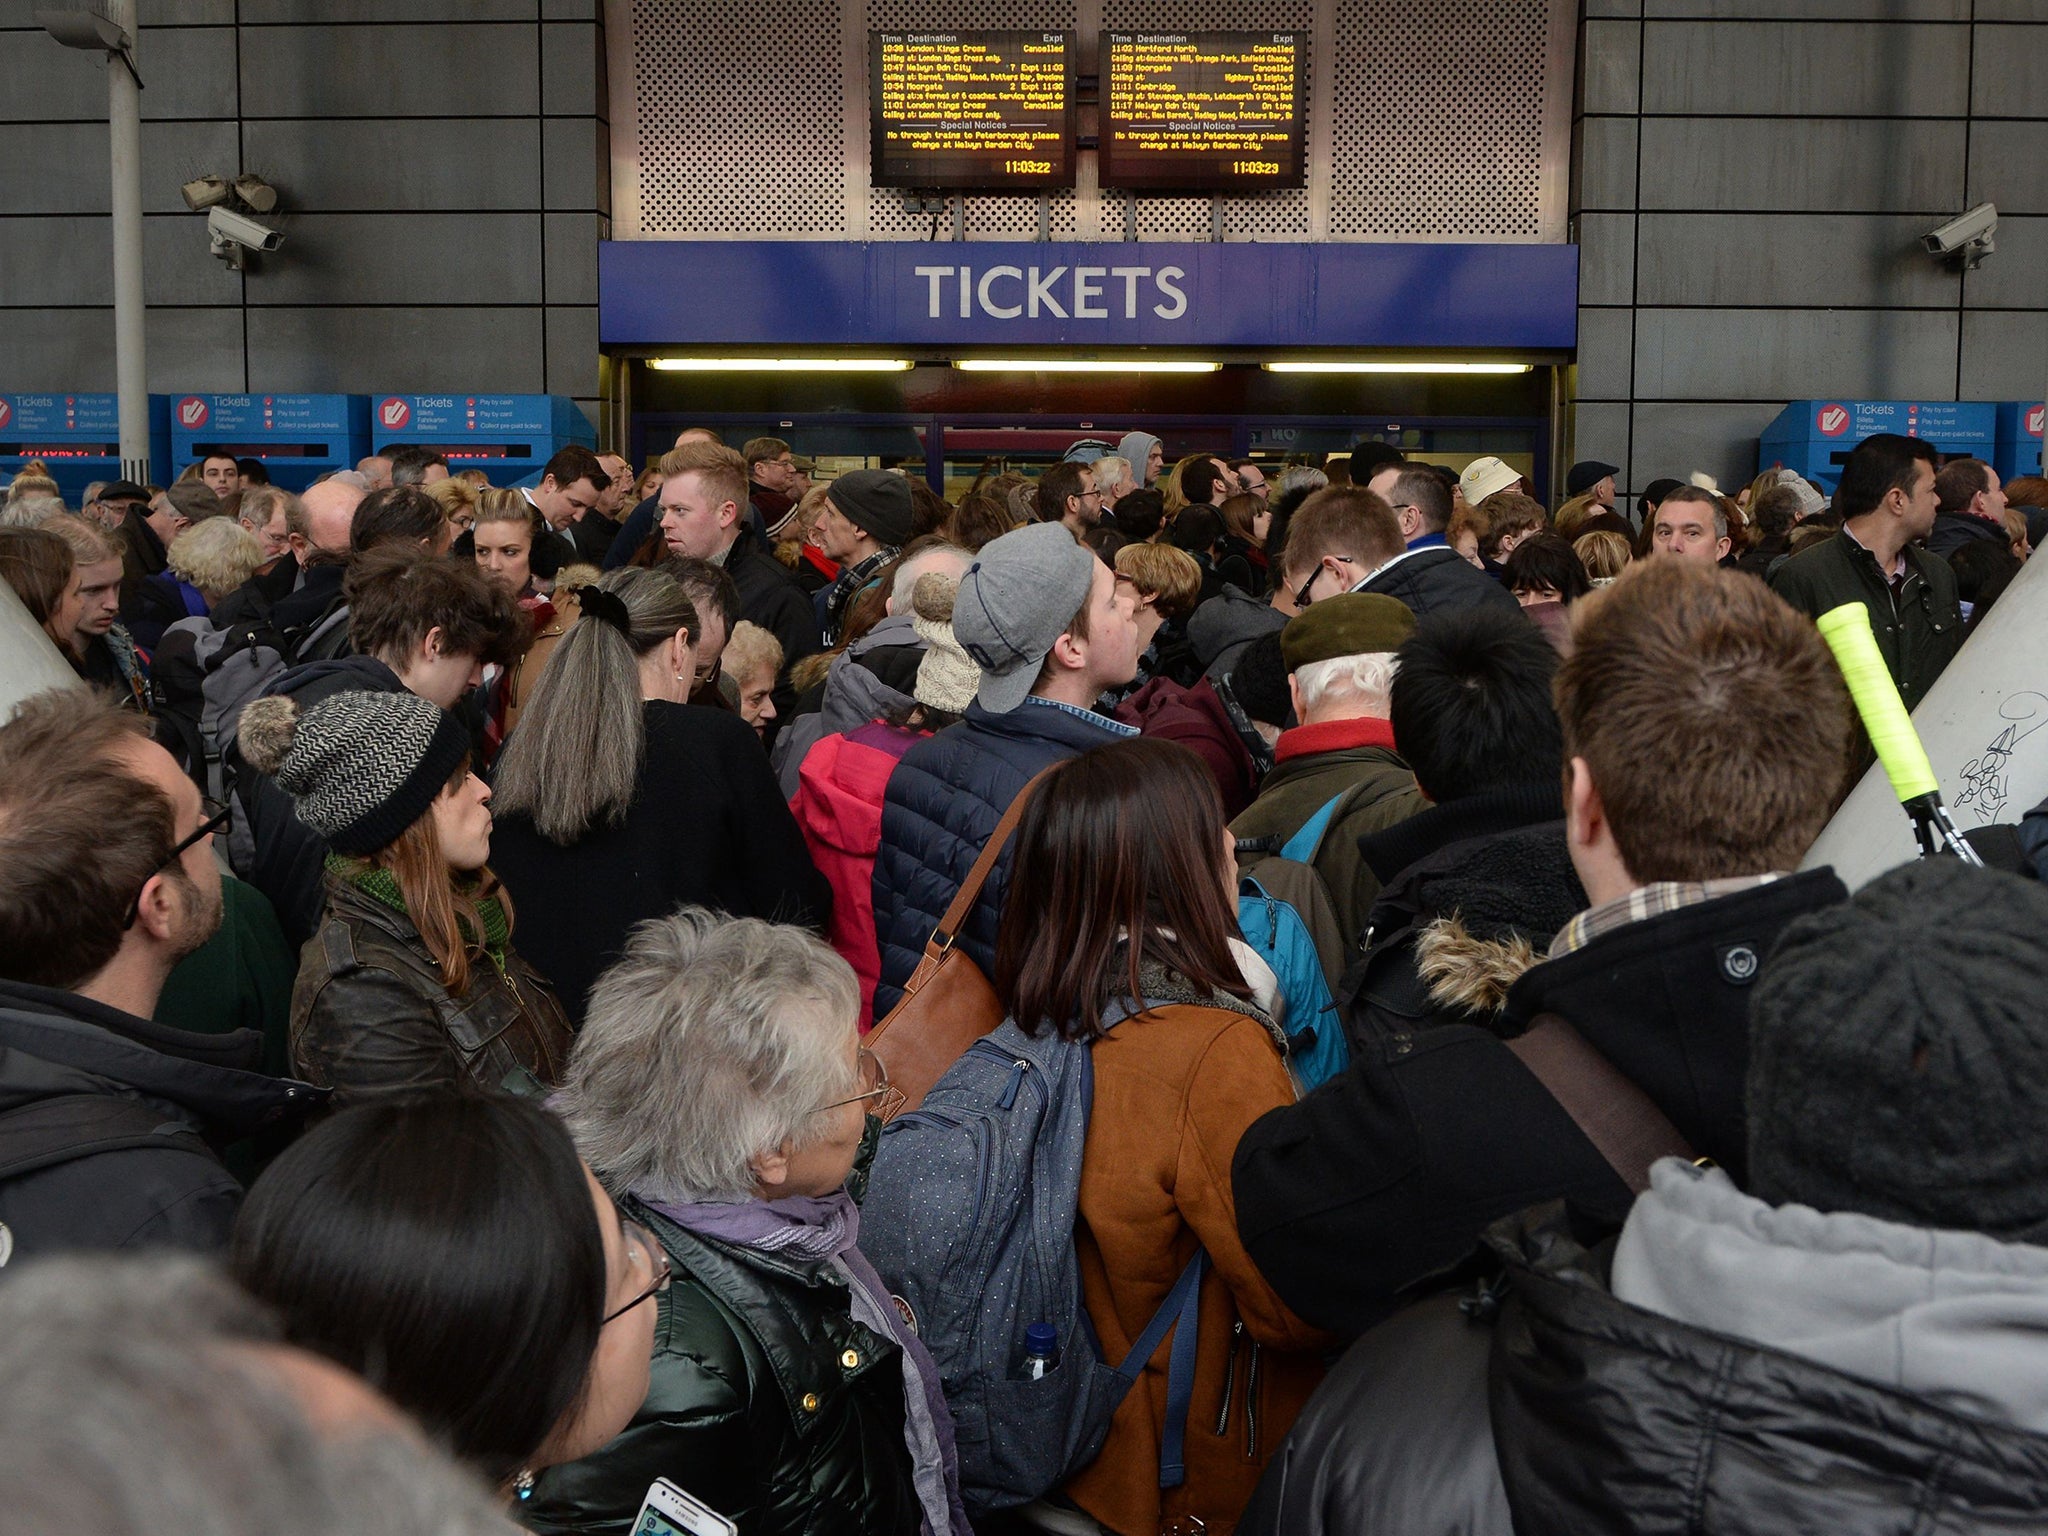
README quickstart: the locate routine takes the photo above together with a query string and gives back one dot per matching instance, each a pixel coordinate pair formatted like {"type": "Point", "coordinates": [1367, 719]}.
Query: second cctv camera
{"type": "Point", "coordinates": [233, 235]}
{"type": "Point", "coordinates": [1966, 237]}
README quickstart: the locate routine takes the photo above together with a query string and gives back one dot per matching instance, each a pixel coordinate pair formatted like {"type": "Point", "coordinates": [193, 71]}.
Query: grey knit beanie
{"type": "Point", "coordinates": [360, 767]}
{"type": "Point", "coordinates": [1898, 1059]}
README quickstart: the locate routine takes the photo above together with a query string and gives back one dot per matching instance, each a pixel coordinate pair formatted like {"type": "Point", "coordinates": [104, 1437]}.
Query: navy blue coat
{"type": "Point", "coordinates": [942, 805]}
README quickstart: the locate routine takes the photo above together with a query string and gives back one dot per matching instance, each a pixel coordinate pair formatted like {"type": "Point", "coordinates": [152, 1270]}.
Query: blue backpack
{"type": "Point", "coordinates": [969, 1217]}
{"type": "Point", "coordinates": [1285, 912]}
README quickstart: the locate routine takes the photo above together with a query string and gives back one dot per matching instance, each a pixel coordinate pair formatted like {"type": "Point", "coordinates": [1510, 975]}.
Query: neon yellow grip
{"type": "Point", "coordinates": [1847, 632]}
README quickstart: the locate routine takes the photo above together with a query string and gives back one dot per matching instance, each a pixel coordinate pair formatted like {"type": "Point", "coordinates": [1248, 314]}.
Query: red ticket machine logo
{"type": "Point", "coordinates": [192, 411]}
{"type": "Point", "coordinates": [6, 410]}
{"type": "Point", "coordinates": [394, 413]}
{"type": "Point", "coordinates": [1833, 420]}
{"type": "Point", "coordinates": [2037, 417]}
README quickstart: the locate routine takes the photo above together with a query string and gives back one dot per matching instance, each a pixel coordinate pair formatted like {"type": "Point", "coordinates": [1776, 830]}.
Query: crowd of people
{"type": "Point", "coordinates": [469, 1049]}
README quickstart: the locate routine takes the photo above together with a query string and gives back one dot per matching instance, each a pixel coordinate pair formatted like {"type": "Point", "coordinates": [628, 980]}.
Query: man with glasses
{"type": "Point", "coordinates": [1067, 494]}
{"type": "Point", "coordinates": [1251, 479]}
{"type": "Point", "coordinates": [1426, 574]}
{"type": "Point", "coordinates": [111, 881]}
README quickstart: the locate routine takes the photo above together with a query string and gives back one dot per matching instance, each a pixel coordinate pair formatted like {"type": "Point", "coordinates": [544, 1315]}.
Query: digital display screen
{"type": "Point", "coordinates": [1201, 111]}
{"type": "Point", "coordinates": [982, 110]}
{"type": "Point", "coordinates": [60, 450]}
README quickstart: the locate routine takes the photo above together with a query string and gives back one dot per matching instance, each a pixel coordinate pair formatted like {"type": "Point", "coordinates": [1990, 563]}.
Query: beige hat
{"type": "Point", "coordinates": [1483, 478]}
{"type": "Point", "coordinates": [947, 678]}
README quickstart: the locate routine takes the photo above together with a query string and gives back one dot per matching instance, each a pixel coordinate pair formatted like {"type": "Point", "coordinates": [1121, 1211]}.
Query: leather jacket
{"type": "Point", "coordinates": [371, 1019]}
{"type": "Point", "coordinates": [765, 1399]}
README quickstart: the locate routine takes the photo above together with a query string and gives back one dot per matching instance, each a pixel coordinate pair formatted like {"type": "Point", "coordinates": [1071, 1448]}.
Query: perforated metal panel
{"type": "Point", "coordinates": [1441, 134]}
{"type": "Point", "coordinates": [739, 129]}
{"type": "Point", "coordinates": [1441, 119]}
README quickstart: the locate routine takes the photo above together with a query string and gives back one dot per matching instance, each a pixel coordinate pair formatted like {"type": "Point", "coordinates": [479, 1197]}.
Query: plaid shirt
{"type": "Point", "coordinates": [1647, 901]}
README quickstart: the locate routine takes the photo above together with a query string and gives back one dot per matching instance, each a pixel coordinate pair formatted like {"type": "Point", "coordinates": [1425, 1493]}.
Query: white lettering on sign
{"type": "Point", "coordinates": [1078, 293]}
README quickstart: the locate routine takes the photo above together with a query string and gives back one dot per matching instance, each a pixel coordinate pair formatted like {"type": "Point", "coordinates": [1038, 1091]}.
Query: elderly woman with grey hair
{"type": "Point", "coordinates": [719, 1090]}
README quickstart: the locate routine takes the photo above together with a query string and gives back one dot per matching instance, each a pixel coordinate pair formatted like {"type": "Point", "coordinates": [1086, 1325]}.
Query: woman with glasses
{"type": "Point", "coordinates": [618, 802]}
{"type": "Point", "coordinates": [719, 1088]}
{"type": "Point", "coordinates": [456, 1254]}
{"type": "Point", "coordinates": [410, 983]}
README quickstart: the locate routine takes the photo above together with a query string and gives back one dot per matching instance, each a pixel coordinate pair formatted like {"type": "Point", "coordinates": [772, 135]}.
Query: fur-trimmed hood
{"type": "Point", "coordinates": [1476, 914]}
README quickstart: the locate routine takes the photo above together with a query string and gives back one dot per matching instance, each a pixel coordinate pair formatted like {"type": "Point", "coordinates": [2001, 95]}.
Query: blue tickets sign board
{"type": "Point", "coordinates": [506, 436]}
{"type": "Point", "coordinates": [2018, 450]}
{"type": "Point", "coordinates": [298, 437]}
{"type": "Point", "coordinates": [1815, 437]}
{"type": "Point", "coordinates": [811, 294]}
{"type": "Point", "coordinates": [76, 436]}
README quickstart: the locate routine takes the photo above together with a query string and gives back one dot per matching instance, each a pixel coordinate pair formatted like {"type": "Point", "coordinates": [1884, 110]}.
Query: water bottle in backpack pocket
{"type": "Point", "coordinates": [970, 1217]}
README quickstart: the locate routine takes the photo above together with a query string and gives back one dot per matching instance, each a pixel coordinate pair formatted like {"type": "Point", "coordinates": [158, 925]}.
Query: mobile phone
{"type": "Point", "coordinates": [668, 1511]}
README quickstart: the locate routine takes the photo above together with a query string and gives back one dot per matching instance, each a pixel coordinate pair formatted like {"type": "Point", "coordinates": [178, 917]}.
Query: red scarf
{"type": "Point", "coordinates": [1333, 736]}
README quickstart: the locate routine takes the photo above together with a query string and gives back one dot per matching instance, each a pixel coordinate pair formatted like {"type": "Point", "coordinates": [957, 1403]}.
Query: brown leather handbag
{"type": "Point", "coordinates": [947, 1004]}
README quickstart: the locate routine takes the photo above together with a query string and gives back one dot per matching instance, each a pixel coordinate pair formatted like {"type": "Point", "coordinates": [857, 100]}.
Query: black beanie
{"type": "Point", "coordinates": [877, 502]}
{"type": "Point", "coordinates": [1898, 1055]}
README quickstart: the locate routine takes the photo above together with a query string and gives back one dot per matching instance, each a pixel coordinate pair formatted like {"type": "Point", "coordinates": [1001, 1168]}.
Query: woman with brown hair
{"type": "Point", "coordinates": [1241, 554]}
{"type": "Point", "coordinates": [40, 567]}
{"type": "Point", "coordinates": [411, 983]}
{"type": "Point", "coordinates": [1120, 930]}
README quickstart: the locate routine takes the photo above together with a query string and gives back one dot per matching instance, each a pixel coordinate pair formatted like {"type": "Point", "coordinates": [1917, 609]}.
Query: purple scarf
{"type": "Point", "coordinates": [827, 1230]}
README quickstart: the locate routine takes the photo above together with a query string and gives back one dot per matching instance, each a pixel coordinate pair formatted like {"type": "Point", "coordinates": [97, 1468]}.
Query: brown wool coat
{"type": "Point", "coordinates": [1174, 1091]}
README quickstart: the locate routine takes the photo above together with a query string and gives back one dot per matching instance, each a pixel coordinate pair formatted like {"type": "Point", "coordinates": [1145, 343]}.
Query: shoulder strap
{"type": "Point", "coordinates": [970, 888]}
{"type": "Point", "coordinates": [75, 1125]}
{"type": "Point", "coordinates": [1623, 1123]}
{"type": "Point", "coordinates": [1180, 1313]}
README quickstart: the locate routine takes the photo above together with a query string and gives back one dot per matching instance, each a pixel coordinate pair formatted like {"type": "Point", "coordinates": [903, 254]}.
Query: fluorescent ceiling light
{"type": "Point", "coordinates": [1414, 367]}
{"type": "Point", "coordinates": [780, 364]}
{"type": "Point", "coordinates": [1073, 365]}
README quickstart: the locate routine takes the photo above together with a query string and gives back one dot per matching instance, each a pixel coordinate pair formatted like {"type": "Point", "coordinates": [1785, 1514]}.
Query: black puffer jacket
{"type": "Point", "coordinates": [1614, 1421]}
{"type": "Point", "coordinates": [766, 1400]}
{"type": "Point", "coordinates": [371, 1019]}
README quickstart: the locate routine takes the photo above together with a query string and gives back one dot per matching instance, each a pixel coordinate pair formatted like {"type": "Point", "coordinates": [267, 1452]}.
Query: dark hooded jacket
{"type": "Point", "coordinates": [1952, 530]}
{"type": "Point", "coordinates": [1567, 1411]}
{"type": "Point", "coordinates": [1376, 1187]}
{"type": "Point", "coordinates": [189, 1092]}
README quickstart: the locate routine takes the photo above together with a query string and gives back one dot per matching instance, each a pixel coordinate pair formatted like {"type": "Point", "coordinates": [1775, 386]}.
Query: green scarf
{"type": "Point", "coordinates": [380, 886]}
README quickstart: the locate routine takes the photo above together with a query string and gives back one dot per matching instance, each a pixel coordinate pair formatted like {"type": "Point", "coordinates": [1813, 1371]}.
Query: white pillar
{"type": "Point", "coordinates": [124, 134]}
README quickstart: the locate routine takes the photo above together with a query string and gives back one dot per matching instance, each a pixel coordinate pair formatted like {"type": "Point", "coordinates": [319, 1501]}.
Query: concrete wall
{"type": "Point", "coordinates": [443, 165]}
{"type": "Point", "coordinates": [1750, 181]}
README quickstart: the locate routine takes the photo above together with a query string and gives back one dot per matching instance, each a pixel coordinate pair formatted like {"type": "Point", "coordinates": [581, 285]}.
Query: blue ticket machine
{"type": "Point", "coordinates": [508, 437]}
{"type": "Point", "coordinates": [299, 438]}
{"type": "Point", "coordinates": [77, 437]}
{"type": "Point", "coordinates": [2019, 439]}
{"type": "Point", "coordinates": [1815, 437]}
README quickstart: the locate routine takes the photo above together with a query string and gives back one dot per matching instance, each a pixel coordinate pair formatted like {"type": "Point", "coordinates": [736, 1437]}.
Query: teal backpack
{"type": "Point", "coordinates": [1285, 912]}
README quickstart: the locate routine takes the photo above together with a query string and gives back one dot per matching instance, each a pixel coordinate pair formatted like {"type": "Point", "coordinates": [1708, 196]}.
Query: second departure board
{"type": "Point", "coordinates": [971, 109]}
{"type": "Point", "coordinates": [1202, 111]}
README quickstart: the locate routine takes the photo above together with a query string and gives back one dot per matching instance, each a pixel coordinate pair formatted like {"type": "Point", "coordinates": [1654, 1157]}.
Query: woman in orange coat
{"type": "Point", "coordinates": [1124, 888]}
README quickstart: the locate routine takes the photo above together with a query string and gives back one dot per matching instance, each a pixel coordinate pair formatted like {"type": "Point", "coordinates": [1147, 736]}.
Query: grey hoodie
{"type": "Point", "coordinates": [853, 697]}
{"type": "Point", "coordinates": [1957, 1318]}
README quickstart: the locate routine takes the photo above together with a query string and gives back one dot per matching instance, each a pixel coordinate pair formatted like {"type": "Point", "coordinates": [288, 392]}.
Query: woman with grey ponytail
{"type": "Point", "coordinates": [618, 802]}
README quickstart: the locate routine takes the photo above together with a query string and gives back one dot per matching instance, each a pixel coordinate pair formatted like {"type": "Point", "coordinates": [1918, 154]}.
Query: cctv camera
{"type": "Point", "coordinates": [224, 225]}
{"type": "Point", "coordinates": [1967, 236]}
{"type": "Point", "coordinates": [234, 236]}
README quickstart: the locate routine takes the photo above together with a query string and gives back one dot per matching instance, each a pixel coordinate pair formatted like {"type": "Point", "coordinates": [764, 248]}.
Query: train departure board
{"type": "Point", "coordinates": [1200, 111]}
{"type": "Point", "coordinates": [971, 109]}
